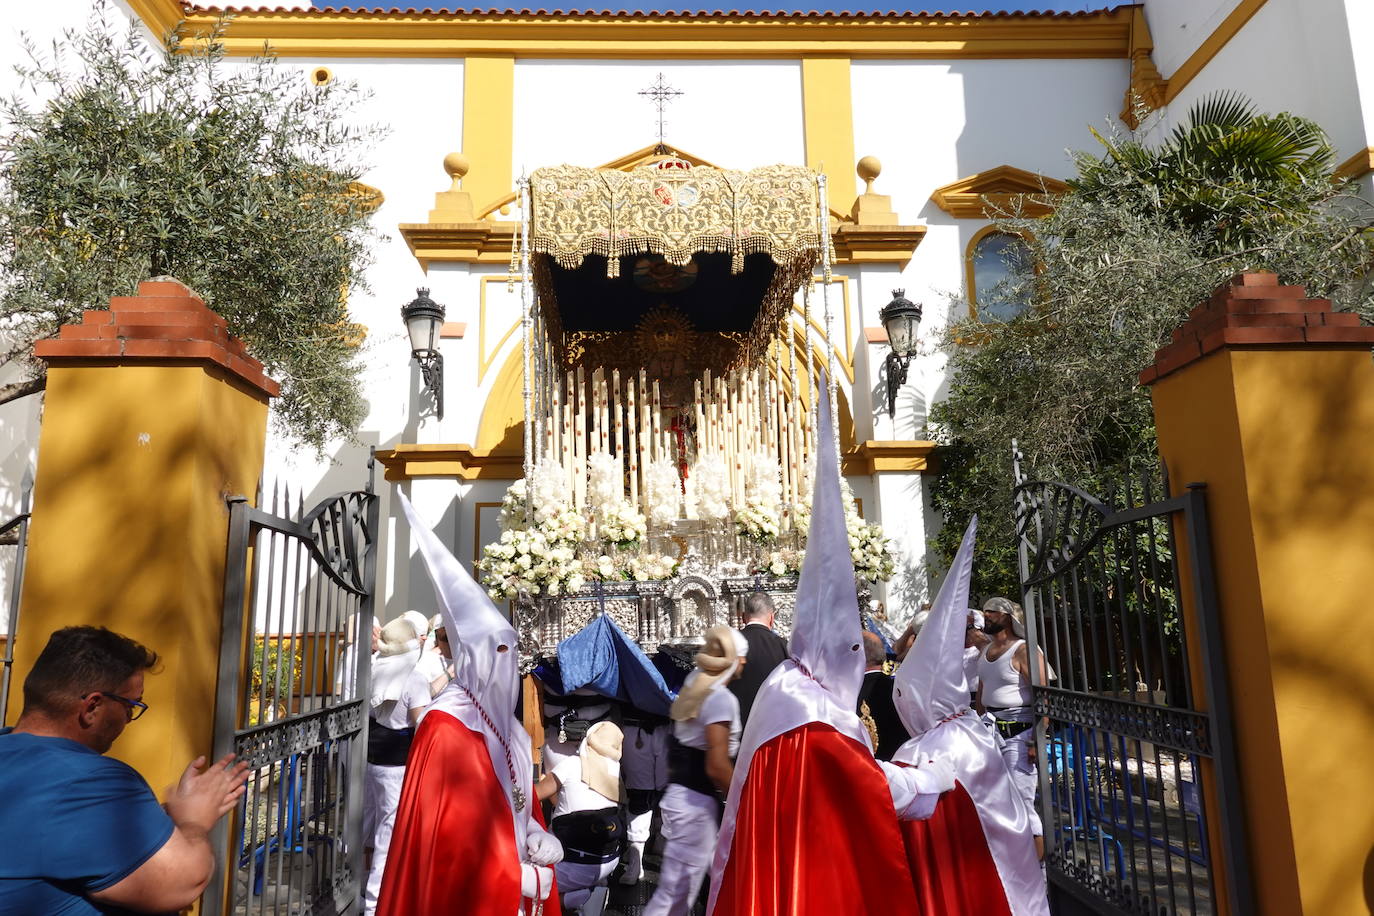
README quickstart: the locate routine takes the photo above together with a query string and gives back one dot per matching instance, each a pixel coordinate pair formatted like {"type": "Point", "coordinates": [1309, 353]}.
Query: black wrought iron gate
{"type": "Point", "coordinates": [298, 604]}
{"type": "Point", "coordinates": [1138, 786]}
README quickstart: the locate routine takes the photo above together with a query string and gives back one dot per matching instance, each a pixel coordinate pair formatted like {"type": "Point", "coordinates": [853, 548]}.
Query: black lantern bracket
{"type": "Point", "coordinates": [423, 318]}
{"type": "Point", "coordinates": [900, 318]}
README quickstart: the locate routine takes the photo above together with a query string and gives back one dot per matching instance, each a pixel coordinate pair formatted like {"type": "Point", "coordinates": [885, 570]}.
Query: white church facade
{"type": "Point", "coordinates": [942, 109]}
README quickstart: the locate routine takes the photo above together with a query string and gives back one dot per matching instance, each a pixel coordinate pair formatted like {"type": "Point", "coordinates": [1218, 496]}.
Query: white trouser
{"type": "Point", "coordinates": [1016, 751]}
{"type": "Point", "coordinates": [638, 829]}
{"type": "Point", "coordinates": [381, 795]}
{"type": "Point", "coordinates": [577, 880]}
{"type": "Point", "coordinates": [689, 833]}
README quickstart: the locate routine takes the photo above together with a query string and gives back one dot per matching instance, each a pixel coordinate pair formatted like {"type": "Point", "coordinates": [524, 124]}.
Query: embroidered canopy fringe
{"type": "Point", "coordinates": [676, 210]}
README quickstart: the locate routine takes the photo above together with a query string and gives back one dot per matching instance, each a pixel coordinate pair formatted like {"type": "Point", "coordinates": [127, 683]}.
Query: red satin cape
{"type": "Point", "coordinates": [815, 833]}
{"type": "Point", "coordinates": [950, 863]}
{"type": "Point", "coordinates": [453, 849]}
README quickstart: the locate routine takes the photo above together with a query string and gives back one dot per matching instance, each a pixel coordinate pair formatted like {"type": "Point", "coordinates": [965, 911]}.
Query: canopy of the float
{"type": "Point", "coordinates": [749, 239]}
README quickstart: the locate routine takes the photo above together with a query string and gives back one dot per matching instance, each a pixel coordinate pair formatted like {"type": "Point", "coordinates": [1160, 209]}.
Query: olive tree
{"type": "Point", "coordinates": [121, 161]}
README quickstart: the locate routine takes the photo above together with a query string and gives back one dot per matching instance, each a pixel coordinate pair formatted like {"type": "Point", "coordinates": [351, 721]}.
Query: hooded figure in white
{"type": "Point", "coordinates": [467, 837]}
{"type": "Point", "coordinates": [932, 697]}
{"type": "Point", "coordinates": [810, 825]}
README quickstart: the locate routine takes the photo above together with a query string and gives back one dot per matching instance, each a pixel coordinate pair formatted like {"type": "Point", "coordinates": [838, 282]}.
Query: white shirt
{"type": "Point", "coordinates": [414, 695]}
{"type": "Point", "coordinates": [720, 706]}
{"type": "Point", "coordinates": [575, 795]}
{"type": "Point", "coordinates": [972, 656]}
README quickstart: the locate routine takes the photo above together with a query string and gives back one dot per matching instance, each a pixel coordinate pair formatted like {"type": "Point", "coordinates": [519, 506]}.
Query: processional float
{"type": "Point", "coordinates": [671, 370]}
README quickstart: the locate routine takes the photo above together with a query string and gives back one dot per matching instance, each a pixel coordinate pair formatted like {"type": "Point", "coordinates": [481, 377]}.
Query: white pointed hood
{"type": "Point", "coordinates": [931, 696]}
{"type": "Point", "coordinates": [930, 685]}
{"type": "Point", "coordinates": [484, 644]}
{"type": "Point", "coordinates": [827, 638]}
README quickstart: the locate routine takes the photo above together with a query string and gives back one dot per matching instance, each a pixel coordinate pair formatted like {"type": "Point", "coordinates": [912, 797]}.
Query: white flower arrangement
{"type": "Point", "coordinates": [538, 560]}
{"type": "Point", "coordinates": [758, 521]}
{"type": "Point", "coordinates": [786, 562]}
{"type": "Point", "coordinates": [663, 492]}
{"type": "Point", "coordinates": [652, 567]}
{"type": "Point", "coordinates": [548, 490]}
{"type": "Point", "coordinates": [869, 549]}
{"type": "Point", "coordinates": [621, 524]}
{"type": "Point", "coordinates": [712, 489]}
{"type": "Point", "coordinates": [605, 568]}
{"type": "Point", "coordinates": [763, 480]}
{"type": "Point", "coordinates": [514, 508]}
{"type": "Point", "coordinates": [605, 479]}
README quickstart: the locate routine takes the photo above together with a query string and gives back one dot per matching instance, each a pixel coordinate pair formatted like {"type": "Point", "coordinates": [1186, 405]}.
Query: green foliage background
{"type": "Point", "coordinates": [124, 161]}
{"type": "Point", "coordinates": [1149, 228]}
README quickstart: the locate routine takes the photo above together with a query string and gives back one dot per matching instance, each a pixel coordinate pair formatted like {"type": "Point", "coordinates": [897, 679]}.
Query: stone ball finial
{"type": "Point", "coordinates": [456, 165]}
{"type": "Point", "coordinates": [869, 168]}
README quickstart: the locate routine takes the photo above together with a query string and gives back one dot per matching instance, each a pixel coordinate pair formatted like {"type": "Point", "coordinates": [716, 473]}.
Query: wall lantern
{"type": "Point", "coordinates": [423, 317]}
{"type": "Point", "coordinates": [900, 318]}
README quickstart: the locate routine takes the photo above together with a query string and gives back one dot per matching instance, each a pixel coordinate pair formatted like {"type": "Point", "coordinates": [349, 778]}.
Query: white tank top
{"type": "Point", "coordinates": [1003, 685]}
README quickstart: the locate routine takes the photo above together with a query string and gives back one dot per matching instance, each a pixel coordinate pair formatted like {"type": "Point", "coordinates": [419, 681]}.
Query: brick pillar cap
{"type": "Point", "coordinates": [1253, 310]}
{"type": "Point", "coordinates": [166, 321]}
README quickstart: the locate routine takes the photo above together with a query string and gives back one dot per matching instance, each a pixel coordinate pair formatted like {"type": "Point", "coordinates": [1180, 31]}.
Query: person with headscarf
{"type": "Point", "coordinates": [468, 838]}
{"type": "Point", "coordinates": [587, 817]}
{"type": "Point", "coordinates": [701, 751]}
{"type": "Point", "coordinates": [1004, 690]}
{"type": "Point", "coordinates": [400, 694]}
{"type": "Point", "coordinates": [810, 826]}
{"type": "Point", "coordinates": [974, 853]}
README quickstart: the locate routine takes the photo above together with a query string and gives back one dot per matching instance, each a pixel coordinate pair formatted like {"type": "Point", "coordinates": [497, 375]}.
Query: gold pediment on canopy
{"type": "Point", "coordinates": [1005, 188]}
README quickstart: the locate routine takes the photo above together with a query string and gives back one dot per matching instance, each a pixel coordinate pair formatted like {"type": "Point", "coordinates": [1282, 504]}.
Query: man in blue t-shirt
{"type": "Point", "coordinates": [83, 833]}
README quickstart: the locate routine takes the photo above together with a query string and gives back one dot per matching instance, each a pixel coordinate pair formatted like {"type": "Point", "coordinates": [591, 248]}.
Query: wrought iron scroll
{"type": "Point", "coordinates": [298, 602]}
{"type": "Point", "coordinates": [1130, 738]}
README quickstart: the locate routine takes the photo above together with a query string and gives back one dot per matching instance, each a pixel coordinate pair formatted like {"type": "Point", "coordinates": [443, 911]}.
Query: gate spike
{"type": "Point", "coordinates": [276, 492]}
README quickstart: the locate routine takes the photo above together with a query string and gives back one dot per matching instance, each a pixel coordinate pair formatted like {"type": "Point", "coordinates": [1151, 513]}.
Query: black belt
{"type": "Point", "coordinates": [1008, 729]}
{"type": "Point", "coordinates": [687, 768]}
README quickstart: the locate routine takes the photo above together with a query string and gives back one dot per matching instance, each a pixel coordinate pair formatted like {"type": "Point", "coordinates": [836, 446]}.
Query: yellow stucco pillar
{"type": "Point", "coordinates": [1268, 398]}
{"type": "Point", "coordinates": [153, 415]}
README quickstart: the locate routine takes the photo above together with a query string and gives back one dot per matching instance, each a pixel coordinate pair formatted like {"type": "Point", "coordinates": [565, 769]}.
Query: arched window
{"type": "Point", "coordinates": [990, 256]}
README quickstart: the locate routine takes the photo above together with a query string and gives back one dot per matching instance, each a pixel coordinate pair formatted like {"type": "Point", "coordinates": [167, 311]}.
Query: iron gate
{"type": "Point", "coordinates": [298, 604]}
{"type": "Point", "coordinates": [14, 541]}
{"type": "Point", "coordinates": [1138, 787]}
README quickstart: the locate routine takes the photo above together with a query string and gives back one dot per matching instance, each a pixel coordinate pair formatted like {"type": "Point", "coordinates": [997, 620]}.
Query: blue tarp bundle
{"type": "Point", "coordinates": [601, 657]}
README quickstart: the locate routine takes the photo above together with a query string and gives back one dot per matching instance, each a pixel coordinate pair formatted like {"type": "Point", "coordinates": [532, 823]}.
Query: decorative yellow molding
{"type": "Point", "coordinates": [828, 123]}
{"type": "Point", "coordinates": [160, 16]}
{"type": "Point", "coordinates": [480, 242]}
{"type": "Point", "coordinates": [485, 358]}
{"type": "Point", "coordinates": [362, 33]}
{"type": "Point", "coordinates": [1211, 46]}
{"type": "Point", "coordinates": [980, 196]}
{"type": "Point", "coordinates": [876, 244]}
{"type": "Point", "coordinates": [1358, 165]}
{"type": "Point", "coordinates": [1148, 88]}
{"type": "Point", "coordinates": [407, 462]}
{"type": "Point", "coordinates": [877, 456]}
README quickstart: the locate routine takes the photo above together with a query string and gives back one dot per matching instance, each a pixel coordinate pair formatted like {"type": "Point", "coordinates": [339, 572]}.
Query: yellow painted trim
{"type": "Point", "coordinates": [327, 33]}
{"type": "Point", "coordinates": [876, 244]}
{"type": "Point", "coordinates": [160, 16]}
{"type": "Point", "coordinates": [1148, 88]}
{"type": "Point", "coordinates": [485, 359]}
{"type": "Point", "coordinates": [482, 242]}
{"type": "Point", "coordinates": [828, 124]}
{"type": "Point", "coordinates": [407, 462]}
{"type": "Point", "coordinates": [1210, 47]}
{"type": "Point", "coordinates": [982, 195]}
{"type": "Point", "coordinates": [1357, 166]}
{"type": "Point", "coordinates": [489, 125]}
{"type": "Point", "coordinates": [878, 456]}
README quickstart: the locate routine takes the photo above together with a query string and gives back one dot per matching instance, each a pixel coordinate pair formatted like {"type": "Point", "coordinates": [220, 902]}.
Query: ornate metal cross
{"type": "Point", "coordinates": [661, 94]}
